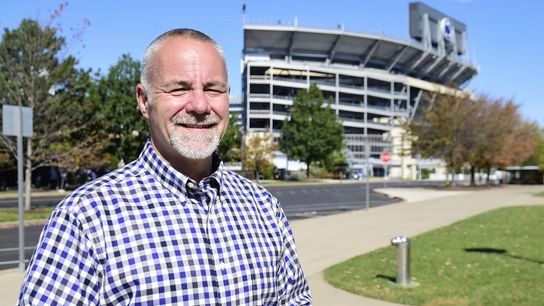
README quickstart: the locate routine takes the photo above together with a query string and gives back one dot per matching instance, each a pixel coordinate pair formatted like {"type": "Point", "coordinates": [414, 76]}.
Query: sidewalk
{"type": "Point", "coordinates": [35, 193]}
{"type": "Point", "coordinates": [320, 246]}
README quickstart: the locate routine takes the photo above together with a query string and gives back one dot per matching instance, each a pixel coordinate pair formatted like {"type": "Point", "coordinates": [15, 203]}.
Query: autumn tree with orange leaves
{"type": "Point", "coordinates": [480, 132]}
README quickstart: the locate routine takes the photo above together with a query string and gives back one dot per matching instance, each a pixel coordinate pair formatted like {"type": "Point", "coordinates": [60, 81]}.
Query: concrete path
{"type": "Point", "coordinates": [328, 240]}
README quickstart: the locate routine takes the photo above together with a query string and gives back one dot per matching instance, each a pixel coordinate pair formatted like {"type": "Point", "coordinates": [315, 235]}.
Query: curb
{"type": "Point", "coordinates": [10, 271]}
{"type": "Point", "coordinates": [15, 224]}
{"type": "Point", "coordinates": [36, 194]}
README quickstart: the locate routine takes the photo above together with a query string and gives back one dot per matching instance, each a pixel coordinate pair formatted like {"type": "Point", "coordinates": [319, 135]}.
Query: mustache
{"type": "Point", "coordinates": [208, 119]}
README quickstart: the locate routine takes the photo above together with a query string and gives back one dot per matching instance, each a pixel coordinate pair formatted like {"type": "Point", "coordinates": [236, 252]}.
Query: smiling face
{"type": "Point", "coordinates": [187, 99]}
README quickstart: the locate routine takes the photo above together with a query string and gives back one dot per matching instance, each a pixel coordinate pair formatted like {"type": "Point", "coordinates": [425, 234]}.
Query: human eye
{"type": "Point", "coordinates": [214, 90]}
{"type": "Point", "coordinates": [179, 91]}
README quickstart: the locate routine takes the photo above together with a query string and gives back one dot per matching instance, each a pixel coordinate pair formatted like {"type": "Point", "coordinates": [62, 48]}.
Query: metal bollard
{"type": "Point", "coordinates": [403, 260]}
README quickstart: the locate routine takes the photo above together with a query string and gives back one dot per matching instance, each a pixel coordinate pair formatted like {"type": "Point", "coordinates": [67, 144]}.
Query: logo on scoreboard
{"type": "Point", "coordinates": [447, 29]}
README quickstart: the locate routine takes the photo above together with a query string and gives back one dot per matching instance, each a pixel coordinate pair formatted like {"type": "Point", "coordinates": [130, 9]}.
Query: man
{"type": "Point", "coordinates": [172, 227]}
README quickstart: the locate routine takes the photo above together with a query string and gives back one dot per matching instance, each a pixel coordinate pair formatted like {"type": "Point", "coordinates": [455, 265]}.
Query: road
{"type": "Point", "coordinates": [317, 200]}
{"type": "Point", "coordinates": [300, 201]}
{"type": "Point", "coordinates": [36, 201]}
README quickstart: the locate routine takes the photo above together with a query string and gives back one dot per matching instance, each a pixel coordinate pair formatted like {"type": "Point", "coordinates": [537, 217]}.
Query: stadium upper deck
{"type": "Point", "coordinates": [329, 47]}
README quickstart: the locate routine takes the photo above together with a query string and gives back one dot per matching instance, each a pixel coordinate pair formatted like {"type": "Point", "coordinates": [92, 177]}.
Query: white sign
{"type": "Point", "coordinates": [10, 120]}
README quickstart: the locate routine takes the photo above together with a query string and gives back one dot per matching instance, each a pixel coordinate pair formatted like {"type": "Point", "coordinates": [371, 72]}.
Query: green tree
{"type": "Point", "coordinates": [229, 147]}
{"type": "Point", "coordinates": [541, 151]}
{"type": "Point", "coordinates": [75, 113]}
{"type": "Point", "coordinates": [123, 128]}
{"type": "Point", "coordinates": [336, 162]}
{"type": "Point", "coordinates": [32, 72]}
{"type": "Point", "coordinates": [312, 133]}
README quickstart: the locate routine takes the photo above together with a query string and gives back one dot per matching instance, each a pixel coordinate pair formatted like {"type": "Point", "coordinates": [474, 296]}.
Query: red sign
{"type": "Point", "coordinates": [385, 156]}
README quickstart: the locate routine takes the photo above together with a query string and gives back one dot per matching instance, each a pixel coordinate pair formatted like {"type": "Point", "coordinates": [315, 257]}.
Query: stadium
{"type": "Point", "coordinates": [374, 83]}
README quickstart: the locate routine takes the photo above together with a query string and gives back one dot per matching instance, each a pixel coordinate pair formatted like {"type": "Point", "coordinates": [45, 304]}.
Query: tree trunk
{"type": "Point", "coordinates": [472, 175]}
{"type": "Point", "coordinates": [308, 169]}
{"type": "Point", "coordinates": [453, 183]}
{"type": "Point", "coordinates": [28, 173]}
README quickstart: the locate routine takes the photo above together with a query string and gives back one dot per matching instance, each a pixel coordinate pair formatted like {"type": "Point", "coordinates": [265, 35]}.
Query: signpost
{"type": "Point", "coordinates": [385, 157]}
{"type": "Point", "coordinates": [17, 121]}
{"type": "Point", "coordinates": [367, 172]}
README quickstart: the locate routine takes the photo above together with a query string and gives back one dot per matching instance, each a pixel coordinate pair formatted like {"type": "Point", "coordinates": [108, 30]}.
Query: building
{"type": "Point", "coordinates": [374, 83]}
{"type": "Point", "coordinates": [236, 108]}
{"type": "Point", "coordinates": [524, 175]}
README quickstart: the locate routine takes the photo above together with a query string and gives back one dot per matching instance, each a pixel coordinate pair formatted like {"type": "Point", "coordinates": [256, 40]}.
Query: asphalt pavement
{"type": "Point", "coordinates": [299, 201]}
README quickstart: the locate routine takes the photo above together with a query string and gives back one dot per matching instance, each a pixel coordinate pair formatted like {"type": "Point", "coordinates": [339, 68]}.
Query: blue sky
{"type": "Point", "coordinates": [505, 38]}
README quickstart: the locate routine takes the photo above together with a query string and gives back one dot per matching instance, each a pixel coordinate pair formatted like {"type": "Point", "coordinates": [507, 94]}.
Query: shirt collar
{"type": "Point", "coordinates": [174, 180]}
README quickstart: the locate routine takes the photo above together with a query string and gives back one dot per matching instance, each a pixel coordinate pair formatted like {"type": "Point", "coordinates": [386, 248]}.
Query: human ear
{"type": "Point", "coordinates": [143, 101]}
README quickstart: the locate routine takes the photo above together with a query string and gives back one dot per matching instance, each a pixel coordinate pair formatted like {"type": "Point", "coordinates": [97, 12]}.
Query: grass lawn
{"type": "Point", "coordinates": [540, 194]}
{"type": "Point", "coordinates": [496, 258]}
{"type": "Point", "coordinates": [9, 193]}
{"type": "Point", "coordinates": [11, 214]}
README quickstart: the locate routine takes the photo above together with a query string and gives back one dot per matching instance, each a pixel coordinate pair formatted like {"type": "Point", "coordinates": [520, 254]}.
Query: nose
{"type": "Point", "coordinates": [199, 103]}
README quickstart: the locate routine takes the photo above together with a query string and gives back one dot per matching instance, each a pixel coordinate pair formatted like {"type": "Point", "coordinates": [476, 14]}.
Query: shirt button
{"type": "Point", "coordinates": [191, 186]}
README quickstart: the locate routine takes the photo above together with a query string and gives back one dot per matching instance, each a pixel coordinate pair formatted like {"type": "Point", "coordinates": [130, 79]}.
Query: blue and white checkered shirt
{"type": "Point", "coordinates": [148, 235]}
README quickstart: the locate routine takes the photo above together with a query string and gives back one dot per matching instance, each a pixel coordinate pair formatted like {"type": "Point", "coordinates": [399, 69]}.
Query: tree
{"type": "Point", "coordinates": [257, 153]}
{"type": "Point", "coordinates": [32, 71]}
{"type": "Point", "coordinates": [78, 144]}
{"type": "Point", "coordinates": [446, 130]}
{"type": "Point", "coordinates": [541, 151]}
{"type": "Point", "coordinates": [508, 139]}
{"type": "Point", "coordinates": [336, 162]}
{"type": "Point", "coordinates": [229, 147]}
{"type": "Point", "coordinates": [312, 133]}
{"type": "Point", "coordinates": [481, 132]}
{"type": "Point", "coordinates": [117, 118]}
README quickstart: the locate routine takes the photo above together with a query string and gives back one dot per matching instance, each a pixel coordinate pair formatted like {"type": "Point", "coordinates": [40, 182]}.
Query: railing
{"type": "Point", "coordinates": [259, 77]}
{"type": "Point", "coordinates": [379, 90]}
{"type": "Point", "coordinates": [323, 82]}
{"type": "Point", "coordinates": [283, 97]}
{"type": "Point", "coordinates": [283, 113]}
{"type": "Point", "coordinates": [259, 111]}
{"type": "Point", "coordinates": [379, 107]}
{"type": "Point", "coordinates": [294, 80]}
{"type": "Point", "coordinates": [354, 139]}
{"type": "Point", "coordinates": [344, 85]}
{"type": "Point", "coordinates": [374, 148]}
{"type": "Point", "coordinates": [255, 95]}
{"type": "Point", "coordinates": [398, 110]}
{"type": "Point", "coordinates": [347, 120]}
{"type": "Point", "coordinates": [350, 103]}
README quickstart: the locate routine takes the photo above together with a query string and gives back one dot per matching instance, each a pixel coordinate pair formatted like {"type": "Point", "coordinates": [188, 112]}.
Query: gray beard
{"type": "Point", "coordinates": [196, 146]}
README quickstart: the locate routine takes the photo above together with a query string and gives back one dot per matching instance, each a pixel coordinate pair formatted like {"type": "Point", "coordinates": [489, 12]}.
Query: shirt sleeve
{"type": "Point", "coordinates": [292, 285]}
{"type": "Point", "coordinates": [62, 270]}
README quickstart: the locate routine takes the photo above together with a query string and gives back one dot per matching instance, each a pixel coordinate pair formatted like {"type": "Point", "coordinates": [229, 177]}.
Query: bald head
{"type": "Point", "coordinates": [149, 60]}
